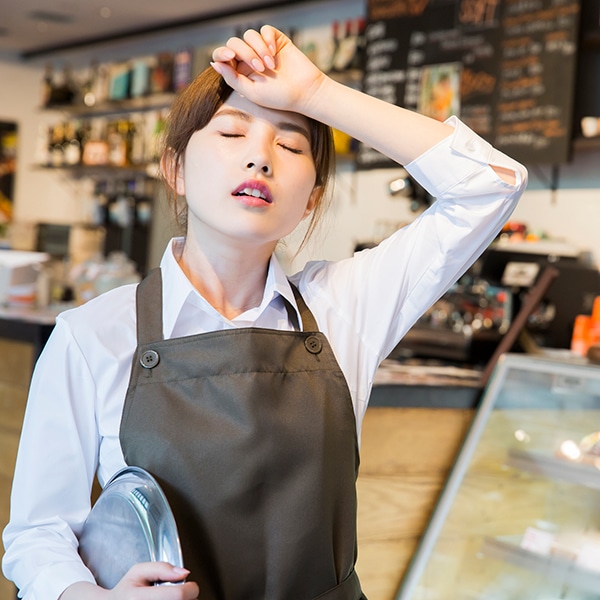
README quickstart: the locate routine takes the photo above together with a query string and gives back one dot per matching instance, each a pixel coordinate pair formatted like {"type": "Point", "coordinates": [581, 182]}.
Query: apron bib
{"type": "Point", "coordinates": [251, 433]}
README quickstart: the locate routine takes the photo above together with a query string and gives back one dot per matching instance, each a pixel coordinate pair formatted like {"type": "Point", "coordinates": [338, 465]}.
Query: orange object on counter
{"type": "Point", "coordinates": [594, 333]}
{"type": "Point", "coordinates": [581, 333]}
{"type": "Point", "coordinates": [586, 330]}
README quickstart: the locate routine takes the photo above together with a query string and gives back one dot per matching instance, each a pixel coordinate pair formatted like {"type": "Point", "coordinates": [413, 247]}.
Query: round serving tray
{"type": "Point", "coordinates": [131, 522]}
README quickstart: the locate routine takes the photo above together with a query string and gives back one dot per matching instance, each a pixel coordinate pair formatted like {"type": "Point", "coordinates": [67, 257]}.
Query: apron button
{"type": "Point", "coordinates": [313, 344]}
{"type": "Point", "coordinates": [149, 359]}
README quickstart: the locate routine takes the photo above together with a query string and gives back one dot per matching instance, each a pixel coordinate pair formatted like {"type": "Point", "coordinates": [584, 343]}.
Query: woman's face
{"type": "Point", "coordinates": [248, 176]}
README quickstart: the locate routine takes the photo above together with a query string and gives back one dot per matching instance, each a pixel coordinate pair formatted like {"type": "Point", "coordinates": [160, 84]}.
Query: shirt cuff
{"type": "Point", "coordinates": [456, 158]}
{"type": "Point", "coordinates": [53, 581]}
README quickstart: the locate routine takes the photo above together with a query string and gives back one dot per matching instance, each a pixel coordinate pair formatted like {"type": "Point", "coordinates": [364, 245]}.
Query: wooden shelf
{"type": "Point", "coordinates": [586, 144]}
{"type": "Point", "coordinates": [155, 101]}
{"type": "Point", "coordinates": [148, 170]}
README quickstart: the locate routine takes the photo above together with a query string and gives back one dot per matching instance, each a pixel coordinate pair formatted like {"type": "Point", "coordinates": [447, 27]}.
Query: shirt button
{"type": "Point", "coordinates": [149, 359]}
{"type": "Point", "coordinates": [313, 344]}
{"type": "Point", "coordinates": [472, 146]}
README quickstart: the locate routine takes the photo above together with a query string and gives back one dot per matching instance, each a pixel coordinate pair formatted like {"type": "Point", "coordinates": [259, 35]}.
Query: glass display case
{"type": "Point", "coordinates": [519, 517]}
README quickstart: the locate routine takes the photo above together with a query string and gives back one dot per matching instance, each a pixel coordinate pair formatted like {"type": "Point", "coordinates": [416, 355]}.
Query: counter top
{"type": "Point", "coordinates": [425, 386]}
{"type": "Point", "coordinates": [29, 324]}
{"type": "Point", "coordinates": [29, 314]}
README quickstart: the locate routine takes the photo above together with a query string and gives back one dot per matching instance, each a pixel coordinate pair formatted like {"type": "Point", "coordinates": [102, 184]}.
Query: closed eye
{"type": "Point", "coordinates": [290, 149]}
{"type": "Point", "coordinates": [230, 135]}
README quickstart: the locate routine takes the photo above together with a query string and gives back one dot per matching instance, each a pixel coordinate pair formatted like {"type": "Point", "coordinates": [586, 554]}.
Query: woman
{"type": "Point", "coordinates": [241, 391]}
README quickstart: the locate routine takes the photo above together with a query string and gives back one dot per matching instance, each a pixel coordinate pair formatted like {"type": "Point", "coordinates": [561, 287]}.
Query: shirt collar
{"type": "Point", "coordinates": [181, 292]}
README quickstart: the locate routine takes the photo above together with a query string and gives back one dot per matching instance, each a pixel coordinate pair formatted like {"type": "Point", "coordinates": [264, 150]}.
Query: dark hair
{"type": "Point", "coordinates": [195, 106]}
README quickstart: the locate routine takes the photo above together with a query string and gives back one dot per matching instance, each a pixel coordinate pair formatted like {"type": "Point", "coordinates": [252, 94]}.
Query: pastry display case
{"type": "Point", "coordinates": [519, 517]}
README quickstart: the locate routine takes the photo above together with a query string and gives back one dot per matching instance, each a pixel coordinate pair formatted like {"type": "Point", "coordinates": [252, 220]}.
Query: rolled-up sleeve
{"type": "Point", "coordinates": [451, 167]}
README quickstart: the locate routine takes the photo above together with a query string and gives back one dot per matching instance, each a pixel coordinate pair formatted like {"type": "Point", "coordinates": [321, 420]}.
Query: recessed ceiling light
{"type": "Point", "coordinates": [49, 16]}
{"type": "Point", "coordinates": [105, 12]}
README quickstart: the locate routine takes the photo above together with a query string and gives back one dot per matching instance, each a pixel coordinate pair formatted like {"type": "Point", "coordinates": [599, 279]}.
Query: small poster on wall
{"type": "Point", "coordinates": [8, 161]}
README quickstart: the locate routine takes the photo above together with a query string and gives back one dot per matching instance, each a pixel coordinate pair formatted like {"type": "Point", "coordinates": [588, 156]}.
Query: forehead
{"type": "Point", "coordinates": [255, 111]}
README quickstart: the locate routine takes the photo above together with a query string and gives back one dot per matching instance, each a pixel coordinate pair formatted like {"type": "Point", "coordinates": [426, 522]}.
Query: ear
{"type": "Point", "coordinates": [314, 197]}
{"type": "Point", "coordinates": [172, 171]}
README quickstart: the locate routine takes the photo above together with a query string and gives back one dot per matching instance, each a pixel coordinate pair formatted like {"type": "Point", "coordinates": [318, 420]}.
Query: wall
{"type": "Point", "coordinates": [362, 207]}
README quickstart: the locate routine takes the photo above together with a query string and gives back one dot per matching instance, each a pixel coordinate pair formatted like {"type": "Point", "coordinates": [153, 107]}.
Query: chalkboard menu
{"type": "Point", "coordinates": [505, 67]}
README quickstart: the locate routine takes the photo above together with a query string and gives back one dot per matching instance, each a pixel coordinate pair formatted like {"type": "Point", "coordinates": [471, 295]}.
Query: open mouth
{"type": "Point", "coordinates": [254, 190]}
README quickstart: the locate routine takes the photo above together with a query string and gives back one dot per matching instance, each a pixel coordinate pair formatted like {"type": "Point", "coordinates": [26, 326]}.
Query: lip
{"type": "Point", "coordinates": [254, 185]}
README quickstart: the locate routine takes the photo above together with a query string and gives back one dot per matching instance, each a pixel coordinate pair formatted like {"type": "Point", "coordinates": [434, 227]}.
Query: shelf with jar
{"type": "Point", "coordinates": [136, 84]}
{"type": "Point", "coordinates": [114, 113]}
{"type": "Point", "coordinates": [100, 145]}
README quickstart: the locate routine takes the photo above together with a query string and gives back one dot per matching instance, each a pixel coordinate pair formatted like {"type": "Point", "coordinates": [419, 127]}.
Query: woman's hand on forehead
{"type": "Point", "coordinates": [268, 69]}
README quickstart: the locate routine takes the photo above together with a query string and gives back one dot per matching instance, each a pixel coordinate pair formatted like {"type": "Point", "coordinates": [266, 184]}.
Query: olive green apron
{"type": "Point", "coordinates": [251, 433]}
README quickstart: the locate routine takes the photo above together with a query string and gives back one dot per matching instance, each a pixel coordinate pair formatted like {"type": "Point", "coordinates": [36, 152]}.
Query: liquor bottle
{"type": "Point", "coordinates": [161, 78]}
{"type": "Point", "coordinates": [346, 48]}
{"type": "Point", "coordinates": [72, 144]}
{"type": "Point", "coordinates": [88, 89]}
{"type": "Point", "coordinates": [358, 61]}
{"type": "Point", "coordinates": [63, 90]}
{"type": "Point", "coordinates": [182, 69]}
{"type": "Point", "coordinates": [140, 76]}
{"type": "Point", "coordinates": [117, 144]}
{"type": "Point", "coordinates": [57, 145]}
{"type": "Point", "coordinates": [322, 51]}
{"type": "Point", "coordinates": [101, 85]}
{"type": "Point", "coordinates": [137, 144]}
{"type": "Point", "coordinates": [47, 83]}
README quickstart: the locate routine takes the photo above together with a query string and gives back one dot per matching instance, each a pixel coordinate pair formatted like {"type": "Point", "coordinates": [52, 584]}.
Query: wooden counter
{"type": "Point", "coordinates": [406, 454]}
{"type": "Point", "coordinates": [16, 359]}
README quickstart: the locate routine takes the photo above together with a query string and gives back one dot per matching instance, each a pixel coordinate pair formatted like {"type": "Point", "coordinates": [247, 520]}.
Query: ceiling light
{"type": "Point", "coordinates": [50, 16]}
{"type": "Point", "coordinates": [105, 12]}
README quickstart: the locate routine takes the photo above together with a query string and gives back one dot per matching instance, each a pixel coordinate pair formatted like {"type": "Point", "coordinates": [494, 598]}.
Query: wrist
{"type": "Point", "coordinates": [317, 100]}
{"type": "Point", "coordinates": [83, 590]}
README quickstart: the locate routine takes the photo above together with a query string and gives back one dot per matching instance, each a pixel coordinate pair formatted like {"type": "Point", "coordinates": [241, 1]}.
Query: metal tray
{"type": "Point", "coordinates": [131, 522]}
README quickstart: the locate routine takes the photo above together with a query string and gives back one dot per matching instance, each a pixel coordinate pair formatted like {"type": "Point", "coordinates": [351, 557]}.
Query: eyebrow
{"type": "Point", "coordinates": [283, 125]}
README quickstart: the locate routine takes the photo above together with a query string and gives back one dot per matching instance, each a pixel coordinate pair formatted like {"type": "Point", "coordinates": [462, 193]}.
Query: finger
{"type": "Point", "coordinates": [148, 573]}
{"type": "Point", "coordinates": [223, 54]}
{"type": "Point", "coordinates": [256, 41]}
{"type": "Point", "coordinates": [229, 74]}
{"type": "Point", "coordinates": [187, 591]}
{"type": "Point", "coordinates": [269, 35]}
{"type": "Point", "coordinates": [244, 53]}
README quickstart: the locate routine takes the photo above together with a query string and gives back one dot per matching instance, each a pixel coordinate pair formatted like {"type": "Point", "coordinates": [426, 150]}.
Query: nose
{"type": "Point", "coordinates": [257, 156]}
{"type": "Point", "coordinates": [262, 165]}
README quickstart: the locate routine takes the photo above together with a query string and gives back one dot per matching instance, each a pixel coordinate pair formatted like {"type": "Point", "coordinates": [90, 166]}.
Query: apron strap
{"type": "Point", "coordinates": [149, 308]}
{"type": "Point", "coordinates": [308, 321]}
{"type": "Point", "coordinates": [349, 589]}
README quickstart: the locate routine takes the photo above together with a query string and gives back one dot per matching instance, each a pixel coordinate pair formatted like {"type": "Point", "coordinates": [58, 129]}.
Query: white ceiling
{"type": "Point", "coordinates": [30, 27]}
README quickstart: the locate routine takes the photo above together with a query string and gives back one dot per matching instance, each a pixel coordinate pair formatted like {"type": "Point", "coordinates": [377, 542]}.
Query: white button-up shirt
{"type": "Point", "coordinates": [363, 305]}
